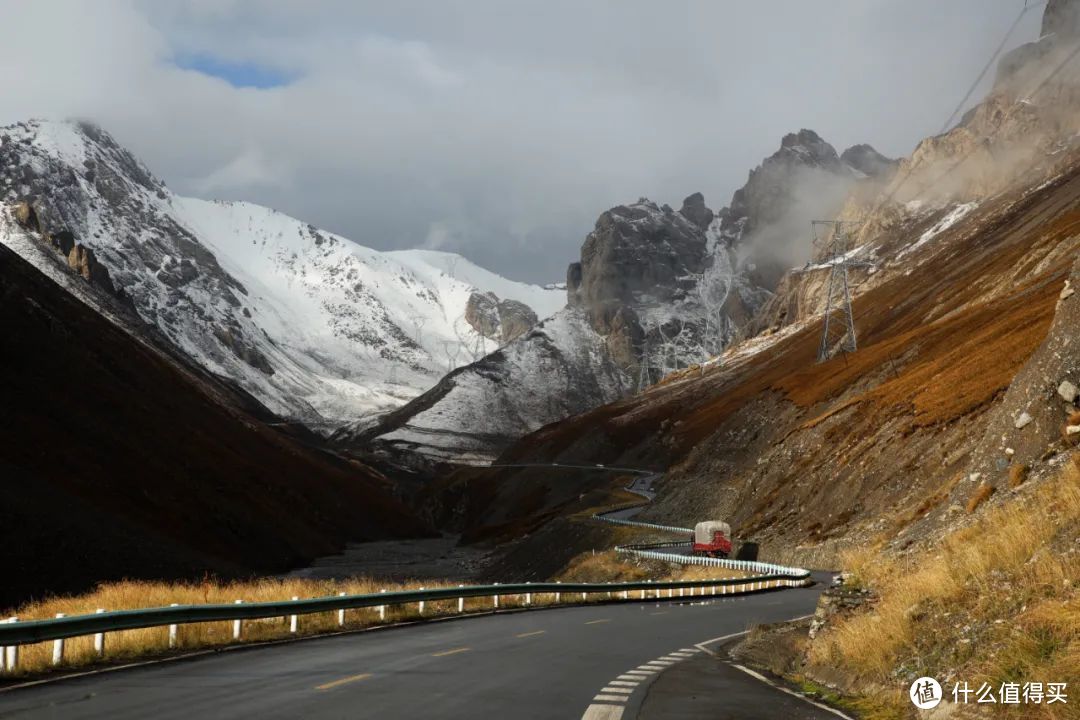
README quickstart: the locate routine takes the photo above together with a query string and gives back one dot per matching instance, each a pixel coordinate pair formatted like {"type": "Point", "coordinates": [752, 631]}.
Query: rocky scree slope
{"type": "Point", "coordinates": [118, 461]}
{"type": "Point", "coordinates": [318, 328]}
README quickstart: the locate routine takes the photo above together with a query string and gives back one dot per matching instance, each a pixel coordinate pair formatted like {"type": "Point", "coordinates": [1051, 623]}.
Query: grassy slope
{"type": "Point", "coordinates": [115, 462]}
{"type": "Point", "coordinates": [996, 603]}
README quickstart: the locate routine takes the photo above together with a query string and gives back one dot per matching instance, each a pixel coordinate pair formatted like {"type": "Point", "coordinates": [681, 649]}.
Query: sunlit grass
{"type": "Point", "coordinates": [996, 602]}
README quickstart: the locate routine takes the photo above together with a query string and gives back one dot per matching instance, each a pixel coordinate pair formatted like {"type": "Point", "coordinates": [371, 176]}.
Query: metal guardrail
{"type": "Point", "coordinates": [33, 631]}
{"type": "Point", "coordinates": [648, 550]}
{"type": "Point", "coordinates": [14, 633]}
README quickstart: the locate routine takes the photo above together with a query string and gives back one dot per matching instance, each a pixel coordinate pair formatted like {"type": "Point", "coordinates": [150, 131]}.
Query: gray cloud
{"type": "Point", "coordinates": [500, 130]}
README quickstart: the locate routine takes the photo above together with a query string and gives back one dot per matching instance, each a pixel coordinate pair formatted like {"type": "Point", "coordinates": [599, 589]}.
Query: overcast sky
{"type": "Point", "coordinates": [493, 128]}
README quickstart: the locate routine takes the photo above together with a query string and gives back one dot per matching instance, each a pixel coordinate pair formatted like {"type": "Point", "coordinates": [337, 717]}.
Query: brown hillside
{"type": "Point", "coordinates": [805, 455]}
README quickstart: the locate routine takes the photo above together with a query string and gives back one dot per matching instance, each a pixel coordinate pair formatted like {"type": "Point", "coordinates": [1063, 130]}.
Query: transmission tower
{"type": "Point", "coordinates": [643, 371]}
{"type": "Point", "coordinates": [837, 333]}
{"type": "Point", "coordinates": [451, 357]}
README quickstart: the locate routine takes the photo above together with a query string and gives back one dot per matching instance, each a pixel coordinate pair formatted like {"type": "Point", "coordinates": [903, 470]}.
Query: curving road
{"type": "Point", "coordinates": [596, 662]}
{"type": "Point", "coordinates": [536, 664]}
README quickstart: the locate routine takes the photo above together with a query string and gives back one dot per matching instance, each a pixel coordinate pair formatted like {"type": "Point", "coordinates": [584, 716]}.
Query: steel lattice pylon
{"type": "Point", "coordinates": [837, 333]}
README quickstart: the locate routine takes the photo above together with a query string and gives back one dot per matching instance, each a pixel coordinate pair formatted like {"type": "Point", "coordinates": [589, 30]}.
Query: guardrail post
{"type": "Point", "coordinates": [582, 596]}
{"type": "Point", "coordinates": [461, 602]}
{"type": "Point", "coordinates": [341, 613]}
{"type": "Point", "coordinates": [58, 647]}
{"type": "Point", "coordinates": [292, 618]}
{"type": "Point", "coordinates": [557, 593]}
{"type": "Point", "coordinates": [99, 638]}
{"type": "Point", "coordinates": [172, 629]}
{"type": "Point", "coordinates": [422, 602]}
{"type": "Point", "coordinates": [382, 609]}
{"type": "Point", "coordinates": [528, 596]}
{"type": "Point", "coordinates": [609, 593]}
{"type": "Point", "coordinates": [237, 624]}
{"type": "Point", "coordinates": [496, 600]}
{"type": "Point", "coordinates": [625, 594]}
{"type": "Point", "coordinates": [11, 652]}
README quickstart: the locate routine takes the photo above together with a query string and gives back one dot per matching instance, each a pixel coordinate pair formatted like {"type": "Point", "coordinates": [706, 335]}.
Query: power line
{"type": "Point", "coordinates": [967, 96]}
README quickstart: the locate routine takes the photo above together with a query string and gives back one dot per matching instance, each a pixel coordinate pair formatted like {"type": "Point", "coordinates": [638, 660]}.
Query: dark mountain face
{"type": "Point", "coordinates": [767, 222]}
{"type": "Point", "coordinates": [116, 461]}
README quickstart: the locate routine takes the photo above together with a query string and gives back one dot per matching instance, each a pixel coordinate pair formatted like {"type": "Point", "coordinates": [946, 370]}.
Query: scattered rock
{"type": "Point", "coordinates": [26, 216]}
{"type": "Point", "coordinates": [1066, 292]}
{"type": "Point", "coordinates": [1022, 421]}
{"type": "Point", "coordinates": [1068, 391]}
{"type": "Point", "coordinates": [1010, 452]}
{"type": "Point", "coordinates": [1072, 429]}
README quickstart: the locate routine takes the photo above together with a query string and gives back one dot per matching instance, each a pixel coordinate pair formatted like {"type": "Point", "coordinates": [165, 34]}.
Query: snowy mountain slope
{"type": "Point", "coordinates": [320, 329]}
{"type": "Point", "coordinates": [559, 368]}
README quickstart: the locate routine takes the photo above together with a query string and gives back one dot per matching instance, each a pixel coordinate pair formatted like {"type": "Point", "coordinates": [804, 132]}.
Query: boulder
{"type": "Point", "coordinates": [1022, 421]}
{"type": "Point", "coordinates": [27, 217]}
{"type": "Point", "coordinates": [81, 259]}
{"type": "Point", "coordinates": [1068, 391]}
{"type": "Point", "coordinates": [515, 319]}
{"type": "Point", "coordinates": [482, 314]}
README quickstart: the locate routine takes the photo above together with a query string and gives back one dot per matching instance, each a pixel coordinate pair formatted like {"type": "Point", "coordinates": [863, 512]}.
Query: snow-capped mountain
{"type": "Point", "coordinates": [559, 368]}
{"type": "Point", "coordinates": [320, 329]}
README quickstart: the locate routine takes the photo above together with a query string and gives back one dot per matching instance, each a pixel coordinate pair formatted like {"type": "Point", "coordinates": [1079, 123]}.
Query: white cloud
{"type": "Point", "coordinates": [498, 122]}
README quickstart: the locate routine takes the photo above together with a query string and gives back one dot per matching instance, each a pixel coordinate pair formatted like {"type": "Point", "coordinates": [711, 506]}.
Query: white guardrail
{"type": "Point", "coordinates": [766, 577]}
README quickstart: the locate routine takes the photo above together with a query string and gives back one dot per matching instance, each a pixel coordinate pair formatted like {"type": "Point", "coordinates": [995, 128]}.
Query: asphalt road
{"type": "Point", "coordinates": [537, 664]}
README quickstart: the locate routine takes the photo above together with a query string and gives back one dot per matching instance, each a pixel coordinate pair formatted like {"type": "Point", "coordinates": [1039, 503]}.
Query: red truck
{"type": "Point", "coordinates": [712, 538]}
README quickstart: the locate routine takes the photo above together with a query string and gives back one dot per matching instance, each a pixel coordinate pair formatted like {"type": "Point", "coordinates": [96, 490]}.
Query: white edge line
{"type": "Point", "coordinates": [767, 681]}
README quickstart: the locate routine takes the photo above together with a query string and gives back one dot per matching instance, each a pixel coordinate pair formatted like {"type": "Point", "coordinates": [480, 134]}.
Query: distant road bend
{"type": "Point", "coordinates": [596, 662]}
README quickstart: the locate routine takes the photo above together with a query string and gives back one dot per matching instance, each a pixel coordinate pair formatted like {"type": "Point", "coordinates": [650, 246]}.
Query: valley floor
{"type": "Point", "coordinates": [439, 558]}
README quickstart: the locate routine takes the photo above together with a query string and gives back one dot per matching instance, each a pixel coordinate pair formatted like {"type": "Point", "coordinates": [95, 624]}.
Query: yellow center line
{"type": "Point", "coordinates": [530, 634]}
{"type": "Point", "coordinates": [594, 622]}
{"type": "Point", "coordinates": [450, 652]}
{"type": "Point", "coordinates": [342, 681]}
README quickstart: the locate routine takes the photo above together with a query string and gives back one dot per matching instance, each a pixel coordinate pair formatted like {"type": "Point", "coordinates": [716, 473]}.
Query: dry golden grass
{"type": "Point", "coordinates": [1017, 475]}
{"type": "Point", "coordinates": [148, 642]}
{"type": "Point", "coordinates": [610, 566]}
{"type": "Point", "coordinates": [131, 644]}
{"type": "Point", "coordinates": [981, 495]}
{"type": "Point", "coordinates": [996, 602]}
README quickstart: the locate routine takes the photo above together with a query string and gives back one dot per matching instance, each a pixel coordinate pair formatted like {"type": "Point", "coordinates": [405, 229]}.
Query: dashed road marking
{"type": "Point", "coordinates": [342, 681]}
{"type": "Point", "coordinates": [646, 669]}
{"type": "Point", "coordinates": [619, 690]}
{"type": "Point", "coordinates": [628, 678]}
{"type": "Point", "coordinates": [596, 622]}
{"type": "Point", "coordinates": [530, 634]}
{"type": "Point", "coordinates": [610, 698]}
{"type": "Point", "coordinates": [603, 712]}
{"type": "Point", "coordinates": [455, 651]}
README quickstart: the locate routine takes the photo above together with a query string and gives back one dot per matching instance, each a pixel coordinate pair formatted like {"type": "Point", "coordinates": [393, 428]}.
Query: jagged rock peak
{"type": "Point", "coordinates": [1061, 18]}
{"type": "Point", "coordinates": [806, 147]}
{"type": "Point", "coordinates": [695, 210]}
{"type": "Point", "coordinates": [867, 160]}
